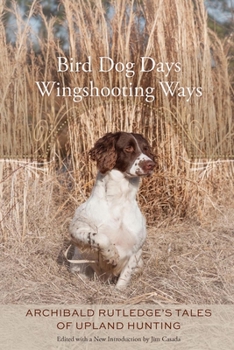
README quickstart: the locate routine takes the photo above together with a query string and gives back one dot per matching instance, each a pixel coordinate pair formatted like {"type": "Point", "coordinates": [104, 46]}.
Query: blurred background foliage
{"type": "Point", "coordinates": [220, 20]}
{"type": "Point", "coordinates": [220, 17]}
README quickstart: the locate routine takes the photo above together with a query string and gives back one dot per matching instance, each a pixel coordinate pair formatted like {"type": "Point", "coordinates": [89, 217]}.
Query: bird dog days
{"type": "Point", "coordinates": [107, 65]}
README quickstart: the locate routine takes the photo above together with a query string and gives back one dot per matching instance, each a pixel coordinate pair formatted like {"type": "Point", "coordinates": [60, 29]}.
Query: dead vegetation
{"type": "Point", "coordinates": [184, 263]}
{"type": "Point", "coordinates": [188, 202]}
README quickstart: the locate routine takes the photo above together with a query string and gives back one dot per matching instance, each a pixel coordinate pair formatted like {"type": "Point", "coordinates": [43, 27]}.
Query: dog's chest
{"type": "Point", "coordinates": [124, 215]}
{"type": "Point", "coordinates": [115, 212]}
{"type": "Point", "coordinates": [124, 225]}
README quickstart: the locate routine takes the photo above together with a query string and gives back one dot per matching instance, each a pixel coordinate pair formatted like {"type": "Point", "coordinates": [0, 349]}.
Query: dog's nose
{"type": "Point", "coordinates": [149, 165]}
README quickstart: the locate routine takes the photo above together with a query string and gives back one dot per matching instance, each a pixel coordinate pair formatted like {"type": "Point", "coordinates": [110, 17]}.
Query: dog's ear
{"type": "Point", "coordinates": [104, 152]}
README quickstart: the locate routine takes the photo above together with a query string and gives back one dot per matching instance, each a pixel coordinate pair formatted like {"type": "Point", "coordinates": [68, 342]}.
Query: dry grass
{"type": "Point", "coordinates": [183, 263]}
{"type": "Point", "coordinates": [188, 252]}
{"type": "Point", "coordinates": [188, 261]}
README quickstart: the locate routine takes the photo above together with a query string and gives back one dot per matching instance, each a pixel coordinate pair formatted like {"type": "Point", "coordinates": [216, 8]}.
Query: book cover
{"type": "Point", "coordinates": [72, 71]}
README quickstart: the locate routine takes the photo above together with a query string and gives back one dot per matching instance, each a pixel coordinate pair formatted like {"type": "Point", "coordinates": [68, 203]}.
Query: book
{"type": "Point", "coordinates": [71, 72]}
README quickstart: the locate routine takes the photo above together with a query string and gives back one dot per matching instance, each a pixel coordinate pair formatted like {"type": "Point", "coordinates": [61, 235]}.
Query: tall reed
{"type": "Point", "coordinates": [180, 128]}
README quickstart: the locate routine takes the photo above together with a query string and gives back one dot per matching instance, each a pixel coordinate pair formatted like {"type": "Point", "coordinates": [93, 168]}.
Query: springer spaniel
{"type": "Point", "coordinates": [108, 230]}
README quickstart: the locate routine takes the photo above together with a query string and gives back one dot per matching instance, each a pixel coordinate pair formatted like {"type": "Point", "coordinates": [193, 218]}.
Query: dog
{"type": "Point", "coordinates": [108, 230]}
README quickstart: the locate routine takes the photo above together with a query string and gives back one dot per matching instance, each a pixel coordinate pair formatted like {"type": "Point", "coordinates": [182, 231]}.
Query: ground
{"type": "Point", "coordinates": [185, 262]}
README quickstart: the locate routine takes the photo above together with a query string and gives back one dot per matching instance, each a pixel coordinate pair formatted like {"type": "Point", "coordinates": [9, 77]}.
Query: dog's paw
{"type": "Point", "coordinates": [110, 255]}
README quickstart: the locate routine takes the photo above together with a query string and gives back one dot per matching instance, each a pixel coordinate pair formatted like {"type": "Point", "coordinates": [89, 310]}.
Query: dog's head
{"type": "Point", "coordinates": [129, 153]}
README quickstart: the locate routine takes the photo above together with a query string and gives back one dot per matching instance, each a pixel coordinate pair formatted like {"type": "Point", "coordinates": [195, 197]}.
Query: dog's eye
{"type": "Point", "coordinates": [145, 148]}
{"type": "Point", "coordinates": [129, 149]}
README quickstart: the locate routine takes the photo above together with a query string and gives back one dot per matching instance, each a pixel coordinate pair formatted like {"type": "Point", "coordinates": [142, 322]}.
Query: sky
{"type": "Point", "coordinates": [214, 8]}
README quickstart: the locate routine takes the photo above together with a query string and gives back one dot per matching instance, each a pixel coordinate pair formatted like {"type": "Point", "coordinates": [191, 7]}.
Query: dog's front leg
{"type": "Point", "coordinates": [134, 263]}
{"type": "Point", "coordinates": [82, 235]}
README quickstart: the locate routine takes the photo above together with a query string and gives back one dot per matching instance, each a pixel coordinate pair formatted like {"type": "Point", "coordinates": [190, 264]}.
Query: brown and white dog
{"type": "Point", "coordinates": [108, 230]}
